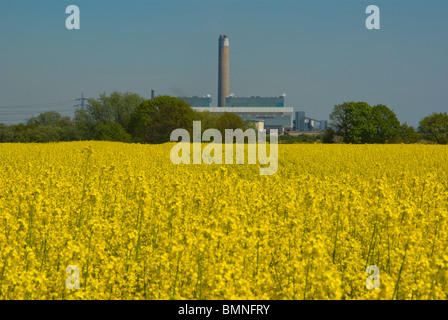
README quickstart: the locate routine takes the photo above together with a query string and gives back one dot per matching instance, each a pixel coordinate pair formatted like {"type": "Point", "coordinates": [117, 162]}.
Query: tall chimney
{"type": "Point", "coordinates": [152, 94]}
{"type": "Point", "coordinates": [223, 70]}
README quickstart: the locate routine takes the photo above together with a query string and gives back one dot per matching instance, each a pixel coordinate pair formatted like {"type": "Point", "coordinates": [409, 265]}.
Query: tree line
{"type": "Point", "coordinates": [128, 117]}
{"type": "Point", "coordinates": [124, 117]}
{"type": "Point", "coordinates": [358, 122]}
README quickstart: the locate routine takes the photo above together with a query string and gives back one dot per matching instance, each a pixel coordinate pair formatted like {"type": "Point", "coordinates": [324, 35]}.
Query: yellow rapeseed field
{"type": "Point", "coordinates": [139, 227]}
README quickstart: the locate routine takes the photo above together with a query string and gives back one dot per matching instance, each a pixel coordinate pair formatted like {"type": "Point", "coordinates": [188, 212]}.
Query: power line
{"type": "Point", "coordinates": [38, 104]}
{"type": "Point", "coordinates": [33, 111]}
{"type": "Point", "coordinates": [37, 108]}
{"type": "Point", "coordinates": [17, 113]}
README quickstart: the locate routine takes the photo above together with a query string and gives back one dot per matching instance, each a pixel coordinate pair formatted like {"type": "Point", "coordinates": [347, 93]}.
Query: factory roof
{"type": "Point", "coordinates": [246, 109]}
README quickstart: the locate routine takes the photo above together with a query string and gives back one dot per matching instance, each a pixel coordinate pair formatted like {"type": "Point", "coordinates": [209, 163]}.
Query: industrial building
{"type": "Point", "coordinates": [303, 124]}
{"type": "Point", "coordinates": [233, 101]}
{"type": "Point", "coordinates": [273, 117]}
{"type": "Point", "coordinates": [196, 101]}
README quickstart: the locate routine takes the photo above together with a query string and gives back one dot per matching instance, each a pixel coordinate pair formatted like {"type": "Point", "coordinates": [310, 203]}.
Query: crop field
{"type": "Point", "coordinates": [139, 227]}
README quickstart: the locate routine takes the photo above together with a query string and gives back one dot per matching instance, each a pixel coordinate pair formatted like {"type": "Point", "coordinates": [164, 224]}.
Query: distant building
{"type": "Point", "coordinates": [196, 101]}
{"type": "Point", "coordinates": [299, 122]}
{"type": "Point", "coordinates": [272, 117]}
{"type": "Point", "coordinates": [302, 123]}
{"type": "Point", "coordinates": [323, 124]}
{"type": "Point", "coordinates": [253, 101]}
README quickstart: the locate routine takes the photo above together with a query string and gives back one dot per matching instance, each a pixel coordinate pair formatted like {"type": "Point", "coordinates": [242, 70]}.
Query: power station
{"type": "Point", "coordinates": [270, 111]}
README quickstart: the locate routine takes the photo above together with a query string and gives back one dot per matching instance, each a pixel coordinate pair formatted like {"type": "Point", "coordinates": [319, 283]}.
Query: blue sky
{"type": "Point", "coordinates": [318, 52]}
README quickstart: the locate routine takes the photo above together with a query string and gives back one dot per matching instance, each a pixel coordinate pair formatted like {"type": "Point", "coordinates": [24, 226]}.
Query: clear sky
{"type": "Point", "coordinates": [318, 52]}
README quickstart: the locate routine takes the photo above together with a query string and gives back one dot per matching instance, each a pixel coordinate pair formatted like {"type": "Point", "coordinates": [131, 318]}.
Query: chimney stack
{"type": "Point", "coordinates": [223, 70]}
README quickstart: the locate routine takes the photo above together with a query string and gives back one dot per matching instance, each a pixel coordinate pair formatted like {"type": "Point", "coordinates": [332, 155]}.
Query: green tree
{"type": "Point", "coordinates": [154, 120]}
{"type": "Point", "coordinates": [408, 134]}
{"type": "Point", "coordinates": [83, 125]}
{"type": "Point", "coordinates": [40, 134]}
{"type": "Point", "coordinates": [228, 120]}
{"type": "Point", "coordinates": [71, 133]}
{"type": "Point", "coordinates": [207, 119]}
{"type": "Point", "coordinates": [97, 119]}
{"type": "Point", "coordinates": [50, 118]}
{"type": "Point", "coordinates": [7, 133]}
{"type": "Point", "coordinates": [386, 124]}
{"type": "Point", "coordinates": [435, 127]}
{"type": "Point", "coordinates": [117, 107]}
{"type": "Point", "coordinates": [329, 135]}
{"type": "Point", "coordinates": [113, 132]}
{"type": "Point", "coordinates": [341, 121]}
{"type": "Point", "coordinates": [248, 124]}
{"type": "Point", "coordinates": [353, 122]}
{"type": "Point", "coordinates": [65, 122]}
